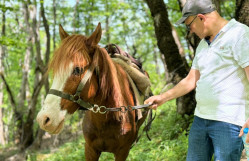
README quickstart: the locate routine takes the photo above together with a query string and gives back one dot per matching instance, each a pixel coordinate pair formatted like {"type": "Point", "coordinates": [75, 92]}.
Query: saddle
{"type": "Point", "coordinates": [114, 49]}
{"type": "Point", "coordinates": [133, 68]}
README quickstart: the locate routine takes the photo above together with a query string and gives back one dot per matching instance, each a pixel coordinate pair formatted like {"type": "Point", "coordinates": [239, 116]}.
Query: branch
{"type": "Point", "coordinates": [38, 87]}
{"type": "Point", "coordinates": [46, 26]}
{"type": "Point", "coordinates": [11, 97]}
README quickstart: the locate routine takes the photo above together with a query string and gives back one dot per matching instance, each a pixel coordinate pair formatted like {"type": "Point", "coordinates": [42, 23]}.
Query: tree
{"type": "Point", "coordinates": [2, 54]}
{"type": "Point", "coordinates": [40, 72]}
{"type": "Point", "coordinates": [242, 11]}
{"type": "Point", "coordinates": [177, 67]}
{"type": "Point", "coordinates": [24, 105]}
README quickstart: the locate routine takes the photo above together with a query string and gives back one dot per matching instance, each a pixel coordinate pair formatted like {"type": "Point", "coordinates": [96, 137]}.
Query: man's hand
{"type": "Point", "coordinates": [246, 125]}
{"type": "Point", "coordinates": [155, 101]}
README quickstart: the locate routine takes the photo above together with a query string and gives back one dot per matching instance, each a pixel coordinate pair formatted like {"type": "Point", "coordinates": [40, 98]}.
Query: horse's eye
{"type": "Point", "coordinates": [77, 71]}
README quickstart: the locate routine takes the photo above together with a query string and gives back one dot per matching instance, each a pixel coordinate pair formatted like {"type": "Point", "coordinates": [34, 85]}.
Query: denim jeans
{"type": "Point", "coordinates": [208, 137]}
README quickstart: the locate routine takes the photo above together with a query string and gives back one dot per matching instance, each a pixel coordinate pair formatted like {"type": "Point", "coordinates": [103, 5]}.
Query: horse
{"type": "Point", "coordinates": [85, 77]}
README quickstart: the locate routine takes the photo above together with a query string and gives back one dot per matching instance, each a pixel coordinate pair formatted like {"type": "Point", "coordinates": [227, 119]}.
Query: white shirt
{"type": "Point", "coordinates": [222, 92]}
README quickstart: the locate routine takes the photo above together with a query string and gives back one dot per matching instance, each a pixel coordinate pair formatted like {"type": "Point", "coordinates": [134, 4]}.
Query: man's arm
{"type": "Point", "coordinates": [247, 72]}
{"type": "Point", "coordinates": [247, 122]}
{"type": "Point", "coordinates": [183, 87]}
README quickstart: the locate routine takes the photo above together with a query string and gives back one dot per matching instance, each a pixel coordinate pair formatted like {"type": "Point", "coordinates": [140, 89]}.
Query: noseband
{"type": "Point", "coordinates": [76, 97]}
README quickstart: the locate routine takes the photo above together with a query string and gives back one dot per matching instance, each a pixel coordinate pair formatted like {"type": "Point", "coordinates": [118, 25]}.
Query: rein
{"type": "Point", "coordinates": [123, 109]}
{"type": "Point", "coordinates": [86, 105]}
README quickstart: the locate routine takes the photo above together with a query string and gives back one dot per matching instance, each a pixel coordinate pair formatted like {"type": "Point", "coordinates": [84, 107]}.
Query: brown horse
{"type": "Point", "coordinates": [106, 85]}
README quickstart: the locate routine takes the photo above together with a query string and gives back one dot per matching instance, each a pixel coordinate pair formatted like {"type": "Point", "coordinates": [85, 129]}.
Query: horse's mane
{"type": "Point", "coordinates": [112, 77]}
{"type": "Point", "coordinates": [73, 48]}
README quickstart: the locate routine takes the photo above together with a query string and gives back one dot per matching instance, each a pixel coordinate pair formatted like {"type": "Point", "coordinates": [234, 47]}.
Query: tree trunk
{"type": "Point", "coordinates": [11, 97]}
{"type": "Point", "coordinates": [40, 75]}
{"type": "Point", "coordinates": [25, 71]}
{"type": "Point", "coordinates": [2, 54]}
{"type": "Point", "coordinates": [181, 3]}
{"type": "Point", "coordinates": [178, 42]}
{"type": "Point", "coordinates": [47, 52]}
{"type": "Point", "coordinates": [155, 58]}
{"type": "Point", "coordinates": [242, 11]}
{"type": "Point", "coordinates": [177, 68]}
{"type": "Point", "coordinates": [217, 4]}
{"type": "Point", "coordinates": [88, 19]}
{"type": "Point", "coordinates": [54, 24]}
{"type": "Point", "coordinates": [107, 19]}
{"type": "Point", "coordinates": [164, 67]}
{"type": "Point", "coordinates": [76, 17]}
{"type": "Point", "coordinates": [2, 139]}
{"type": "Point", "coordinates": [37, 142]}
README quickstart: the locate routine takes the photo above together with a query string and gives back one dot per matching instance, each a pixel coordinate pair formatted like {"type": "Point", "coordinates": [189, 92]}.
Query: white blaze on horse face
{"type": "Point", "coordinates": [52, 104]}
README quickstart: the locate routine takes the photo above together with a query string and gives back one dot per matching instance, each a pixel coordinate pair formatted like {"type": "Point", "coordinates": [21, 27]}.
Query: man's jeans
{"type": "Point", "coordinates": [208, 137]}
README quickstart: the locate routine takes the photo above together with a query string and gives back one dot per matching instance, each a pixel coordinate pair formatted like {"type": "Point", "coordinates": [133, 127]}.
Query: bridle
{"type": "Point", "coordinates": [76, 97]}
{"type": "Point", "coordinates": [86, 105]}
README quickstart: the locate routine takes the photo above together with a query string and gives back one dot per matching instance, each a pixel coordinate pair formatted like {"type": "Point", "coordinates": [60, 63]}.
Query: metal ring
{"type": "Point", "coordinates": [104, 109]}
{"type": "Point", "coordinates": [75, 98]}
{"type": "Point", "coordinates": [129, 108]}
{"type": "Point", "coordinates": [123, 109]}
{"type": "Point", "coordinates": [95, 109]}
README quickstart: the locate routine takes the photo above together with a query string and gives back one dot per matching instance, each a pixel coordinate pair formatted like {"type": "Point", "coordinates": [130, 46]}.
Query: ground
{"type": "Point", "coordinates": [50, 142]}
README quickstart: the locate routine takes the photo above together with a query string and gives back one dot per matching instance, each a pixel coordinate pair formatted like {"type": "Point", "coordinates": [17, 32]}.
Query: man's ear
{"type": "Point", "coordinates": [63, 33]}
{"type": "Point", "coordinates": [201, 17]}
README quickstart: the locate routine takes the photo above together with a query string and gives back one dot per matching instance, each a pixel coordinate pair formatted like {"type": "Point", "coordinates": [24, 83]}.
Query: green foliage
{"type": "Point", "coordinates": [157, 81]}
{"type": "Point", "coordinates": [228, 9]}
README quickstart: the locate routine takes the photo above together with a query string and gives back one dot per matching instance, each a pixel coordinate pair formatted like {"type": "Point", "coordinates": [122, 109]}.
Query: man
{"type": "Point", "coordinates": [220, 74]}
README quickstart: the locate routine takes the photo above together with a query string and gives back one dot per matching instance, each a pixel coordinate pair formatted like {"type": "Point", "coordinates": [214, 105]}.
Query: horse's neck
{"type": "Point", "coordinates": [111, 102]}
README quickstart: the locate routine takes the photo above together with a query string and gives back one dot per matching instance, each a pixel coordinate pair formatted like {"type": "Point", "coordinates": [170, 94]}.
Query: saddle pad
{"type": "Point", "coordinates": [141, 80]}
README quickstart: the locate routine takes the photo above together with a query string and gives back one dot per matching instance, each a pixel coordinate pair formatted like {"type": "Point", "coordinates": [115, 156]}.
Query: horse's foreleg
{"type": "Point", "coordinates": [122, 154]}
{"type": "Point", "coordinates": [91, 154]}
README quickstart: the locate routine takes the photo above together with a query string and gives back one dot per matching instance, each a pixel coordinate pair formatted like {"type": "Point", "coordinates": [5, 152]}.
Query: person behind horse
{"type": "Point", "coordinates": [220, 74]}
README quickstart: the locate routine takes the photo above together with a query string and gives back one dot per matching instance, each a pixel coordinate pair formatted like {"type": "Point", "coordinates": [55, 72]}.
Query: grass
{"type": "Point", "coordinates": [169, 142]}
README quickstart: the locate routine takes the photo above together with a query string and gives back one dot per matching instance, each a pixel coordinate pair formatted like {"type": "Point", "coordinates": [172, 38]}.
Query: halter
{"type": "Point", "coordinates": [76, 97]}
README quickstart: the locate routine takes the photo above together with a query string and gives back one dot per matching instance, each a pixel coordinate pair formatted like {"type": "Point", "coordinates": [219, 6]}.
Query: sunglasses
{"type": "Point", "coordinates": [188, 26]}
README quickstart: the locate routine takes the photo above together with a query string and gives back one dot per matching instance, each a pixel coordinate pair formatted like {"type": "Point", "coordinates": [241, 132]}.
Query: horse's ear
{"type": "Point", "coordinates": [63, 33]}
{"type": "Point", "coordinates": [95, 37]}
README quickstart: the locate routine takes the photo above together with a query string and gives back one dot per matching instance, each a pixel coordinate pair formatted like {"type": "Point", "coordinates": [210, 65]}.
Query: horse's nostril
{"type": "Point", "coordinates": [46, 121]}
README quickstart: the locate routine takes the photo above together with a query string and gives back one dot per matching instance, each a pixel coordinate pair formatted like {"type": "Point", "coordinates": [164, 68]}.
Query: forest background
{"type": "Point", "coordinates": [144, 28]}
